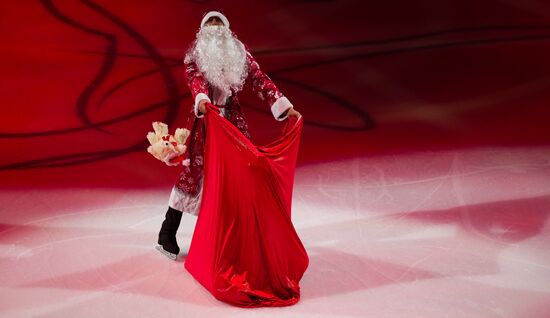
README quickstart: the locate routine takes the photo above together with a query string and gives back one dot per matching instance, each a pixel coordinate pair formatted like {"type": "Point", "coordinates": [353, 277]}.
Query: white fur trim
{"type": "Point", "coordinates": [198, 98]}
{"type": "Point", "coordinates": [279, 107]}
{"type": "Point", "coordinates": [184, 202]}
{"type": "Point", "coordinates": [215, 14]}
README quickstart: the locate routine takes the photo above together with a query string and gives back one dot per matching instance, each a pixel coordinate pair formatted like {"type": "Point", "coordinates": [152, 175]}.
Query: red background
{"type": "Point", "coordinates": [369, 77]}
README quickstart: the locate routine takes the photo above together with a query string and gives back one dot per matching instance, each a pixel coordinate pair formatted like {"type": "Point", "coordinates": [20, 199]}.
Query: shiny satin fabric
{"type": "Point", "coordinates": [245, 249]}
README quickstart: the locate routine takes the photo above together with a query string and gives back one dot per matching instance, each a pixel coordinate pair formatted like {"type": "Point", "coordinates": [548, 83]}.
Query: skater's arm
{"type": "Point", "coordinates": [198, 87]}
{"type": "Point", "coordinates": [266, 89]}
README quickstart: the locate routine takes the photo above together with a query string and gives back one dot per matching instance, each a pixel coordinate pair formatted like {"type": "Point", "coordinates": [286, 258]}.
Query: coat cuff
{"type": "Point", "coordinates": [281, 105]}
{"type": "Point", "coordinates": [198, 98]}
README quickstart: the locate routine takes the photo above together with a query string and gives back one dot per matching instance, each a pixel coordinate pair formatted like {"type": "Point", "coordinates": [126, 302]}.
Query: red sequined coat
{"type": "Point", "coordinates": [263, 86]}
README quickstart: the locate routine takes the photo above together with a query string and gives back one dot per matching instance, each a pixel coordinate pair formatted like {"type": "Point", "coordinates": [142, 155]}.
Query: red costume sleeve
{"type": "Point", "coordinates": [197, 85]}
{"type": "Point", "coordinates": [264, 87]}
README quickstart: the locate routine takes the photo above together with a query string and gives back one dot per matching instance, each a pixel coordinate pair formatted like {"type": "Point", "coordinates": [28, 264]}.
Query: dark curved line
{"type": "Point", "coordinates": [391, 40]}
{"type": "Point", "coordinates": [178, 62]}
{"type": "Point", "coordinates": [113, 153]}
{"type": "Point", "coordinates": [405, 38]}
{"type": "Point", "coordinates": [61, 161]}
{"type": "Point", "coordinates": [123, 83]}
{"type": "Point", "coordinates": [106, 67]}
{"type": "Point", "coordinates": [164, 70]}
{"type": "Point", "coordinates": [393, 51]}
{"type": "Point", "coordinates": [130, 55]}
{"type": "Point", "coordinates": [415, 49]}
{"type": "Point", "coordinates": [111, 121]}
{"type": "Point", "coordinates": [36, 163]}
{"type": "Point", "coordinates": [368, 122]}
{"type": "Point", "coordinates": [364, 55]}
{"type": "Point", "coordinates": [172, 101]}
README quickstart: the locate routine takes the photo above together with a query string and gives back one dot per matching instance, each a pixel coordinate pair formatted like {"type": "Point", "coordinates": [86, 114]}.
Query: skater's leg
{"type": "Point", "coordinates": [167, 234]}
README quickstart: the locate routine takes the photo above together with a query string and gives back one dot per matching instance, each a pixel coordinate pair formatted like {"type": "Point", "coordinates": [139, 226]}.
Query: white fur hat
{"type": "Point", "coordinates": [215, 14]}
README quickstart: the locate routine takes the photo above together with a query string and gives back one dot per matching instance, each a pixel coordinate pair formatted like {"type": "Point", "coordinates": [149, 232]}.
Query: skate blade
{"type": "Point", "coordinates": [171, 256]}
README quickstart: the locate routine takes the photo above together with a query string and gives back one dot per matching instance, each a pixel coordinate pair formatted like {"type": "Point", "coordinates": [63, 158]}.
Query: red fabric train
{"type": "Point", "coordinates": [245, 250]}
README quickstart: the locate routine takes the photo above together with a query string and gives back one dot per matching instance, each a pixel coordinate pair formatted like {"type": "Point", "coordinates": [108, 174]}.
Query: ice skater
{"type": "Point", "coordinates": [216, 67]}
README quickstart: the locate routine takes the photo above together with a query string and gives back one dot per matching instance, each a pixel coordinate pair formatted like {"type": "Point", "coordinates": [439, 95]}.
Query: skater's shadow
{"type": "Point", "coordinates": [183, 254]}
{"type": "Point", "coordinates": [360, 255]}
{"type": "Point", "coordinates": [148, 274]}
{"type": "Point", "coordinates": [396, 260]}
{"type": "Point", "coordinates": [333, 272]}
{"type": "Point", "coordinates": [507, 221]}
{"type": "Point", "coordinates": [357, 255]}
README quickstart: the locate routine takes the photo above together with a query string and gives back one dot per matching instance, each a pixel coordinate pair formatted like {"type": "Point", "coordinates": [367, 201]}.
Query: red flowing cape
{"type": "Point", "coordinates": [244, 249]}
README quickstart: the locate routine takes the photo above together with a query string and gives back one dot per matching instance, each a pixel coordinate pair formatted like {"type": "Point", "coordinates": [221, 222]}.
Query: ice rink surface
{"type": "Point", "coordinates": [423, 181]}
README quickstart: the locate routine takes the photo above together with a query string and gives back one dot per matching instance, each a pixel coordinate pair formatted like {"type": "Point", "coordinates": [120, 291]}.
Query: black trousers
{"type": "Point", "coordinates": [167, 233]}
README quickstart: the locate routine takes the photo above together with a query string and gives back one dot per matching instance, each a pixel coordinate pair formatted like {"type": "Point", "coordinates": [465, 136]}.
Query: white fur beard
{"type": "Point", "coordinates": [221, 57]}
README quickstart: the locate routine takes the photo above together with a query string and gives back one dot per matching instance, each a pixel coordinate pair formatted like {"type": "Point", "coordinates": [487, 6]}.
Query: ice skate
{"type": "Point", "coordinates": [167, 243]}
{"type": "Point", "coordinates": [171, 256]}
